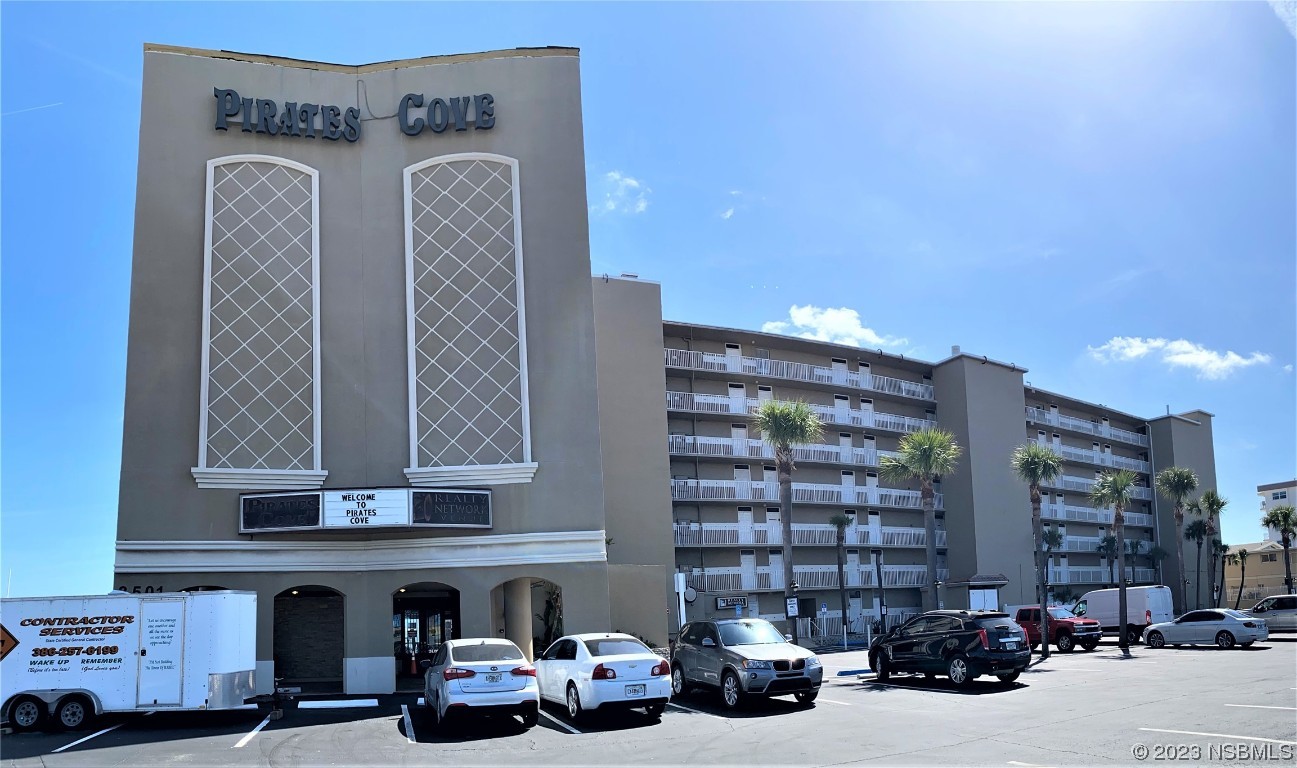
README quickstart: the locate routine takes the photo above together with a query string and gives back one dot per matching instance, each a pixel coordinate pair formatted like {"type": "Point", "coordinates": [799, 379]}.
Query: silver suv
{"type": "Point", "coordinates": [743, 657]}
{"type": "Point", "coordinates": [1279, 612]}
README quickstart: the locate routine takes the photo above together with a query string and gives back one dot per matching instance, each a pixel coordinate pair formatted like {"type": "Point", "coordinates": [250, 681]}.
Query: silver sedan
{"type": "Point", "coordinates": [1222, 627]}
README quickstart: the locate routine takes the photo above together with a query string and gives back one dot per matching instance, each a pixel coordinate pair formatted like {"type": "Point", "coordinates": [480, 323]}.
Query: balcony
{"type": "Point", "coordinates": [1085, 426]}
{"type": "Point", "coordinates": [766, 578]}
{"type": "Point", "coordinates": [804, 534]}
{"type": "Point", "coordinates": [695, 402]}
{"type": "Point", "coordinates": [1080, 544]}
{"type": "Point", "coordinates": [1086, 484]}
{"type": "Point", "coordinates": [1067, 512]}
{"type": "Point", "coordinates": [1097, 575]}
{"type": "Point", "coordinates": [789, 371]}
{"type": "Point", "coordinates": [803, 493]}
{"type": "Point", "coordinates": [748, 448]}
{"type": "Point", "coordinates": [1097, 458]}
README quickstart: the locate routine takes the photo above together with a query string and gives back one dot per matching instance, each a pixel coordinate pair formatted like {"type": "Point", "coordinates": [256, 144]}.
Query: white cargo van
{"type": "Point", "coordinates": [1144, 606]}
{"type": "Point", "coordinates": [72, 658]}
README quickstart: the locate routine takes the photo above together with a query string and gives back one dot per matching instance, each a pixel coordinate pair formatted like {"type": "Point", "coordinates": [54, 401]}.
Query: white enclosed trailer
{"type": "Point", "coordinates": [72, 658]}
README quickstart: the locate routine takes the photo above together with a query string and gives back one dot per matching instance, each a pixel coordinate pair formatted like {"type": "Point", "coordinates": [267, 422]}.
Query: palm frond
{"type": "Point", "coordinates": [1176, 483]}
{"type": "Point", "coordinates": [1282, 519]}
{"type": "Point", "coordinates": [922, 455]}
{"type": "Point", "coordinates": [1035, 464]}
{"type": "Point", "coordinates": [1113, 489]}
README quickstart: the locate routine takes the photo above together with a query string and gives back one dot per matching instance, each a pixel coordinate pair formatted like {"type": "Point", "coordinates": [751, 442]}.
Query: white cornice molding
{"type": "Point", "coordinates": [260, 479]}
{"type": "Point", "coordinates": [498, 474]}
{"type": "Point", "coordinates": [350, 555]}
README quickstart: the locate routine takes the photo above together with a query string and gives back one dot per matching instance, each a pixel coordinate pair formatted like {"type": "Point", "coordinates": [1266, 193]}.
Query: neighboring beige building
{"type": "Point", "coordinates": [1263, 577]}
{"type": "Point", "coordinates": [1276, 495]}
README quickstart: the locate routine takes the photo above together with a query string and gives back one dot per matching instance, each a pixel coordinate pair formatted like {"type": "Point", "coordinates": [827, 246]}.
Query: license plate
{"type": "Point", "coordinates": [494, 678]}
{"type": "Point", "coordinates": [1010, 645]}
{"type": "Point", "coordinates": [633, 691]}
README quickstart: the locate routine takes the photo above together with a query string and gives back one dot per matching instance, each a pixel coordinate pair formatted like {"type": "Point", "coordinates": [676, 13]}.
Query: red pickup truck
{"type": "Point", "coordinates": [1066, 629]}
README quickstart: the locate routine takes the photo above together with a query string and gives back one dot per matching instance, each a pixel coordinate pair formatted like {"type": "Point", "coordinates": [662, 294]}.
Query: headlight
{"type": "Point", "coordinates": [757, 664]}
{"type": "Point", "coordinates": [812, 661]}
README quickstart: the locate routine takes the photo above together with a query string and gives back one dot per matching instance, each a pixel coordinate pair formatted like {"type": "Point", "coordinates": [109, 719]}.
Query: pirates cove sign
{"type": "Point", "coordinates": [415, 115]}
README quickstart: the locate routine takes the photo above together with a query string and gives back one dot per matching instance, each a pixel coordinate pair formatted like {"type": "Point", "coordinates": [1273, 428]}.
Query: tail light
{"type": "Point", "coordinates": [526, 670]}
{"type": "Point", "coordinates": [662, 669]}
{"type": "Point", "coordinates": [1148, 617]}
{"type": "Point", "coordinates": [455, 673]}
{"type": "Point", "coordinates": [1249, 624]}
{"type": "Point", "coordinates": [603, 673]}
{"type": "Point", "coordinates": [986, 641]}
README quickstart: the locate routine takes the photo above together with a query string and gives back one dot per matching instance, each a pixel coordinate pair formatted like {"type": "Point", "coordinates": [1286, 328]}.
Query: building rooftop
{"type": "Point", "coordinates": [1276, 486]}
{"type": "Point", "coordinates": [353, 69]}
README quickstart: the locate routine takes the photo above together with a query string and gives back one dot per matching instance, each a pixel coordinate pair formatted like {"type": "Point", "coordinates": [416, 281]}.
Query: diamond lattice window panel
{"type": "Point", "coordinates": [467, 365]}
{"type": "Point", "coordinates": [260, 357]}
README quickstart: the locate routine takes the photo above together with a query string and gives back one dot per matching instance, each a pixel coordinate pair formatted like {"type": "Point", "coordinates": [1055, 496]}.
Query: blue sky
{"type": "Point", "coordinates": [1103, 194]}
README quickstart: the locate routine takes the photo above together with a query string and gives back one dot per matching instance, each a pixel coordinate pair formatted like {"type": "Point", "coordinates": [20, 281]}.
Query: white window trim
{"type": "Point", "coordinates": [486, 474]}
{"type": "Point", "coordinates": [260, 479]}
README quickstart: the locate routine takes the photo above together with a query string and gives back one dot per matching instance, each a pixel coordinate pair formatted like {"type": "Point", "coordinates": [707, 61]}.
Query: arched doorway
{"type": "Point", "coordinates": [308, 638]}
{"type": "Point", "coordinates": [424, 615]}
{"type": "Point", "coordinates": [529, 612]}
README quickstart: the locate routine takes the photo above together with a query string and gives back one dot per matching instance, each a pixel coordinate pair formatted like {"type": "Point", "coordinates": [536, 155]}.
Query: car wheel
{"type": "Point", "coordinates": [27, 713]}
{"type": "Point", "coordinates": [1133, 635]}
{"type": "Point", "coordinates": [1065, 642]}
{"type": "Point", "coordinates": [1224, 639]}
{"type": "Point", "coordinates": [958, 672]}
{"type": "Point", "coordinates": [1090, 645]}
{"type": "Point", "coordinates": [806, 697]}
{"type": "Point", "coordinates": [881, 671]}
{"type": "Point", "coordinates": [1156, 640]}
{"type": "Point", "coordinates": [72, 713]}
{"type": "Point", "coordinates": [573, 703]}
{"type": "Point", "coordinates": [679, 686]}
{"type": "Point", "coordinates": [655, 710]}
{"type": "Point", "coordinates": [1009, 678]}
{"type": "Point", "coordinates": [731, 691]}
{"type": "Point", "coordinates": [530, 717]}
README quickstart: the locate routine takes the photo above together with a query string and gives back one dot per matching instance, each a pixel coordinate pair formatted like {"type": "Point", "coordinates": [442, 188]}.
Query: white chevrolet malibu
{"type": "Point", "coordinates": [604, 671]}
{"type": "Point", "coordinates": [480, 676]}
{"type": "Point", "coordinates": [1220, 626]}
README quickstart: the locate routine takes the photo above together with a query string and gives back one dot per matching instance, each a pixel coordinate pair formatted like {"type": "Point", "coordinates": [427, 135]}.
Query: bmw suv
{"type": "Point", "coordinates": [743, 658]}
{"type": "Point", "coordinates": [960, 644]}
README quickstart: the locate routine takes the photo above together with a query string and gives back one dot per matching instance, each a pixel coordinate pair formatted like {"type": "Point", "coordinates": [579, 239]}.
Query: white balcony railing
{"type": "Point", "coordinates": [812, 534]}
{"type": "Point", "coordinates": [1086, 484]}
{"type": "Point", "coordinates": [804, 493]}
{"type": "Point", "coordinates": [1098, 575]}
{"type": "Point", "coordinates": [764, 578]}
{"type": "Point", "coordinates": [1091, 515]}
{"type": "Point", "coordinates": [783, 369]}
{"type": "Point", "coordinates": [1080, 544]}
{"type": "Point", "coordinates": [1098, 458]}
{"type": "Point", "coordinates": [696, 402]}
{"type": "Point", "coordinates": [1042, 416]}
{"type": "Point", "coordinates": [748, 448]}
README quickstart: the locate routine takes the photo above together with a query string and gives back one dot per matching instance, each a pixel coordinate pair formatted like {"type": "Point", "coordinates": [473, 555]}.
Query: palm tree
{"type": "Point", "coordinates": [1107, 549]}
{"type": "Point", "coordinates": [1113, 489]}
{"type": "Point", "coordinates": [1155, 557]}
{"type": "Point", "coordinates": [1176, 483]}
{"type": "Point", "coordinates": [1197, 532]}
{"type": "Point", "coordinates": [784, 425]}
{"type": "Point", "coordinates": [840, 523]}
{"type": "Point", "coordinates": [1052, 540]}
{"type": "Point", "coordinates": [1221, 551]}
{"type": "Point", "coordinates": [1212, 505]}
{"type": "Point", "coordinates": [1035, 465]}
{"type": "Point", "coordinates": [1134, 548]}
{"type": "Point", "coordinates": [925, 456]}
{"type": "Point", "coordinates": [1284, 520]}
{"type": "Point", "coordinates": [1241, 558]}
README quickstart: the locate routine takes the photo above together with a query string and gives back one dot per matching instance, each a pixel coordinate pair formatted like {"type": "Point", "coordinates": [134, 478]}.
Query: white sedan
{"type": "Point", "coordinates": [594, 671]}
{"type": "Point", "coordinates": [480, 676]}
{"type": "Point", "coordinates": [1220, 626]}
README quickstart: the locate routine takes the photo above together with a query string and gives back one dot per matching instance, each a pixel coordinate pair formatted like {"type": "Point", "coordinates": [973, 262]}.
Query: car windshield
{"type": "Point", "coordinates": [1061, 613]}
{"type": "Point", "coordinates": [750, 633]}
{"type": "Point", "coordinates": [486, 652]}
{"type": "Point", "coordinates": [615, 646]}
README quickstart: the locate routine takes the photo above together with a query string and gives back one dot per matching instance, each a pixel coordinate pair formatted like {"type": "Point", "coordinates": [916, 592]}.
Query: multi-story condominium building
{"type": "Point", "coordinates": [1276, 495]}
{"type": "Point", "coordinates": [725, 498]}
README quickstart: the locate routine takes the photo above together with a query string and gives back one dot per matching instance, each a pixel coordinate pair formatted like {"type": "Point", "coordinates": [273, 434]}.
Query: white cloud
{"type": "Point", "coordinates": [838, 325]}
{"type": "Point", "coordinates": [1178, 353]}
{"type": "Point", "coordinates": [1287, 368]}
{"type": "Point", "coordinates": [1286, 10]}
{"type": "Point", "coordinates": [728, 213]}
{"type": "Point", "coordinates": [621, 194]}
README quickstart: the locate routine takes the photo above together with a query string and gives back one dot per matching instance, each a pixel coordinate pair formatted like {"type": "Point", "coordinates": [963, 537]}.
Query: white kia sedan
{"type": "Point", "coordinates": [604, 671]}
{"type": "Point", "coordinates": [480, 676]}
{"type": "Point", "coordinates": [1223, 627]}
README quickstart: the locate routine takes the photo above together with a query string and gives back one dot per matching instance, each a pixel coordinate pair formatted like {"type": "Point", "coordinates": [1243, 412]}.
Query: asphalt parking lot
{"type": "Point", "coordinates": [1189, 705]}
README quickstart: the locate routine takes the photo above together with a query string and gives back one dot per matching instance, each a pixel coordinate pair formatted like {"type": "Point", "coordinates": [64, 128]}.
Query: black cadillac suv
{"type": "Point", "coordinates": [960, 644]}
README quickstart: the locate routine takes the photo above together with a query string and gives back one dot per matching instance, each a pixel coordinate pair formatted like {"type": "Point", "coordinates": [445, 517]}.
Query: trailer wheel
{"type": "Point", "coordinates": [27, 713]}
{"type": "Point", "coordinates": [72, 713]}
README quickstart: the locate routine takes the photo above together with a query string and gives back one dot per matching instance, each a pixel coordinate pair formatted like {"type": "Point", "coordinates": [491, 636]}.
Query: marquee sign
{"type": "Point", "coordinates": [369, 508]}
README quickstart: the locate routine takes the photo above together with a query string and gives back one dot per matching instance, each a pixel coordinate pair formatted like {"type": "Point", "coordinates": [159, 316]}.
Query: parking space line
{"type": "Point", "coordinates": [1220, 735]}
{"type": "Point", "coordinates": [243, 741]}
{"type": "Point", "coordinates": [1258, 706]}
{"type": "Point", "coordinates": [558, 722]}
{"type": "Point", "coordinates": [831, 701]}
{"type": "Point", "coordinates": [409, 727]}
{"type": "Point", "coordinates": [343, 704]}
{"type": "Point", "coordinates": [697, 711]}
{"type": "Point", "coordinates": [87, 738]}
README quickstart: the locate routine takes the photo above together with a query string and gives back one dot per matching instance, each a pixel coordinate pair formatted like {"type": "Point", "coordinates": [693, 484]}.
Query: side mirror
{"type": "Point", "coordinates": [708, 642]}
{"type": "Point", "coordinates": [425, 664]}
{"type": "Point", "coordinates": [788, 637]}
